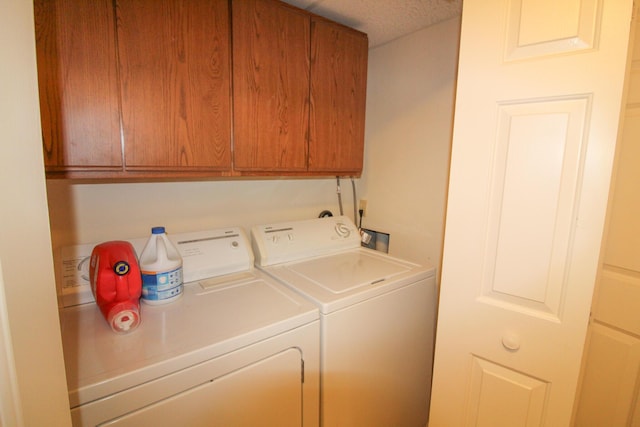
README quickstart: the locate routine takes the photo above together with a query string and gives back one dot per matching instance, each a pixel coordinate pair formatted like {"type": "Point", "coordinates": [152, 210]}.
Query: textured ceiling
{"type": "Point", "coordinates": [383, 20]}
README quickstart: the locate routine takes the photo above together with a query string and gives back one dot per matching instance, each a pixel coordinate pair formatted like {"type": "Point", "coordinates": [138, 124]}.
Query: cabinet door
{"type": "Point", "coordinates": [270, 86]}
{"type": "Point", "coordinates": [76, 54]}
{"type": "Point", "coordinates": [338, 97]}
{"type": "Point", "coordinates": [174, 81]}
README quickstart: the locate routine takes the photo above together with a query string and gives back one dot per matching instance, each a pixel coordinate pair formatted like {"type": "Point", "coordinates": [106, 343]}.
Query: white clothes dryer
{"type": "Point", "coordinates": [237, 349]}
{"type": "Point", "coordinates": [377, 316]}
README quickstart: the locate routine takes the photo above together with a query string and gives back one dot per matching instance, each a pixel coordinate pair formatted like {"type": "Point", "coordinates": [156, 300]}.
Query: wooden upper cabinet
{"type": "Point", "coordinates": [143, 88]}
{"type": "Point", "coordinates": [174, 58]}
{"type": "Point", "coordinates": [338, 97]}
{"type": "Point", "coordinates": [76, 55]}
{"type": "Point", "coordinates": [271, 43]}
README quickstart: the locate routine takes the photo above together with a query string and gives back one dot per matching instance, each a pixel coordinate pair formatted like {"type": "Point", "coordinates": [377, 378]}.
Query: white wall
{"type": "Point", "coordinates": [34, 393]}
{"type": "Point", "coordinates": [86, 213]}
{"type": "Point", "coordinates": [97, 212]}
{"type": "Point", "coordinates": [410, 100]}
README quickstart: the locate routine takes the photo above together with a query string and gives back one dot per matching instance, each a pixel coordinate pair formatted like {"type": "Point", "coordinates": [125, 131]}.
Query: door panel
{"type": "Point", "coordinates": [77, 76]}
{"type": "Point", "coordinates": [609, 382]}
{"type": "Point", "coordinates": [623, 241]}
{"type": "Point", "coordinates": [572, 26]}
{"type": "Point", "coordinates": [271, 44]}
{"type": "Point", "coordinates": [610, 389]}
{"type": "Point", "coordinates": [535, 176]}
{"type": "Point", "coordinates": [618, 301]}
{"type": "Point", "coordinates": [536, 121]}
{"type": "Point", "coordinates": [338, 97]}
{"type": "Point", "coordinates": [175, 84]}
{"type": "Point", "coordinates": [493, 385]}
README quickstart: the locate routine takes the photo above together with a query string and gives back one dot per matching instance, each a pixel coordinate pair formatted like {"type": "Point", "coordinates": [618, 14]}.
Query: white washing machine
{"type": "Point", "coordinates": [237, 349]}
{"type": "Point", "coordinates": [377, 316]}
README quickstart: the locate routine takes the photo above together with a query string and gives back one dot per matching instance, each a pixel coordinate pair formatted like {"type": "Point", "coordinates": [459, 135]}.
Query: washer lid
{"type": "Point", "coordinates": [344, 278]}
{"type": "Point", "coordinates": [349, 271]}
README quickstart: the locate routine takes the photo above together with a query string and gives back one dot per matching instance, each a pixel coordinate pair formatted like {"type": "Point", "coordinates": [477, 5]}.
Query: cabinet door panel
{"type": "Point", "coordinates": [174, 75]}
{"type": "Point", "coordinates": [270, 85]}
{"type": "Point", "coordinates": [338, 97]}
{"type": "Point", "coordinates": [76, 53]}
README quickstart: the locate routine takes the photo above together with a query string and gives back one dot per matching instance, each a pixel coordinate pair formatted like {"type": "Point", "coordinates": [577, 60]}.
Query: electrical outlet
{"type": "Point", "coordinates": [363, 207]}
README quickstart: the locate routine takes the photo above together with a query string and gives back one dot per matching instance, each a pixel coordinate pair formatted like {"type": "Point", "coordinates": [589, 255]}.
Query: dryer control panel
{"type": "Point", "coordinates": [205, 254]}
{"type": "Point", "coordinates": [291, 241]}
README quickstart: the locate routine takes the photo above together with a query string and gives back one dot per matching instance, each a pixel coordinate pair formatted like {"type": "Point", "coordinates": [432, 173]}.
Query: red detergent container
{"type": "Point", "coordinates": [116, 284]}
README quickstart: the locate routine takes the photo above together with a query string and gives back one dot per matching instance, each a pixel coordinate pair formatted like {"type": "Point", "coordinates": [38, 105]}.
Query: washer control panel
{"type": "Point", "coordinates": [342, 230]}
{"type": "Point", "coordinates": [291, 241]}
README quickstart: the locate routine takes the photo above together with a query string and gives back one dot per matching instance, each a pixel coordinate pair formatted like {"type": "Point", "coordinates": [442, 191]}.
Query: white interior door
{"type": "Point", "coordinates": [610, 391]}
{"type": "Point", "coordinates": [537, 112]}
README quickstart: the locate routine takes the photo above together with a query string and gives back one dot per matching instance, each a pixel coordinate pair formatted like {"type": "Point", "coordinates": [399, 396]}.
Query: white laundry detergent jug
{"type": "Point", "coordinates": [161, 268]}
